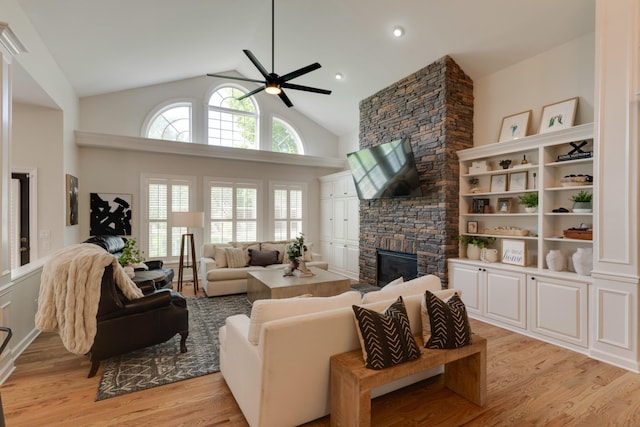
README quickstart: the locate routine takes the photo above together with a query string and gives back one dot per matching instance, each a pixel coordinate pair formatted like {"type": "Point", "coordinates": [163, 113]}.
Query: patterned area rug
{"type": "Point", "coordinates": [163, 363]}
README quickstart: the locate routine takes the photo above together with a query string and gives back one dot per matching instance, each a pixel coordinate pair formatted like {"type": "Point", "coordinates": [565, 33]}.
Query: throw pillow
{"type": "Point", "coordinates": [444, 295]}
{"type": "Point", "coordinates": [415, 286]}
{"type": "Point", "coordinates": [220, 256]}
{"type": "Point", "coordinates": [386, 337]}
{"type": "Point", "coordinates": [263, 258]}
{"type": "Point", "coordinates": [306, 254]}
{"type": "Point", "coordinates": [235, 257]}
{"type": "Point", "coordinates": [449, 322]}
{"type": "Point", "coordinates": [393, 283]}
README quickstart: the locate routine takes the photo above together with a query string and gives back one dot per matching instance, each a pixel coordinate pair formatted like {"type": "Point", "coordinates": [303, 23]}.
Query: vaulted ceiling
{"type": "Point", "coordinates": [105, 46]}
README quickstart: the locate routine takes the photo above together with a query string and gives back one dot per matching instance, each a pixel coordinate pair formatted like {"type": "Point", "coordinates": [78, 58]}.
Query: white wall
{"type": "Point", "coordinates": [114, 171]}
{"type": "Point", "coordinates": [123, 113]}
{"type": "Point", "coordinates": [564, 72]}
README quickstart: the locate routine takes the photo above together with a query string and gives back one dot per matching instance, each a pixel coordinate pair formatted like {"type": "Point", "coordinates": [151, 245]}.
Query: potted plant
{"type": "Point", "coordinates": [295, 251]}
{"type": "Point", "coordinates": [475, 244]}
{"type": "Point", "coordinates": [529, 200]}
{"type": "Point", "coordinates": [130, 255]}
{"type": "Point", "coordinates": [582, 202]}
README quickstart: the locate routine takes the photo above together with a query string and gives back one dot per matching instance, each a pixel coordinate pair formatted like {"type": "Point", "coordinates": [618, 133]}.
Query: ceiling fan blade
{"type": "Point", "coordinates": [299, 72]}
{"type": "Point", "coordinates": [285, 99]}
{"type": "Point", "coordinates": [253, 92]}
{"type": "Point", "coordinates": [236, 78]}
{"type": "Point", "coordinates": [305, 88]}
{"type": "Point", "coordinates": [257, 63]}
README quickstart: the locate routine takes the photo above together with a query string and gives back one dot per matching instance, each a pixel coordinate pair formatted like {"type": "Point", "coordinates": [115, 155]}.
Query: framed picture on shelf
{"type": "Point", "coordinates": [472, 227]}
{"type": "Point", "coordinates": [514, 252]}
{"type": "Point", "coordinates": [514, 126]}
{"type": "Point", "coordinates": [504, 205]}
{"type": "Point", "coordinates": [499, 183]}
{"type": "Point", "coordinates": [518, 181]}
{"type": "Point", "coordinates": [558, 116]}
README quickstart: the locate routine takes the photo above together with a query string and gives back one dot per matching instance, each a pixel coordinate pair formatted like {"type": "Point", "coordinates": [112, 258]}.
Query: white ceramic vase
{"type": "Point", "coordinates": [556, 261]}
{"type": "Point", "coordinates": [531, 209]}
{"type": "Point", "coordinates": [583, 261]}
{"type": "Point", "coordinates": [473, 252]}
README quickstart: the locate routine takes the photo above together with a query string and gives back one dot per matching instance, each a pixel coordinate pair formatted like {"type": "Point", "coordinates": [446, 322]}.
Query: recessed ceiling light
{"type": "Point", "coordinates": [398, 31]}
{"type": "Point", "coordinates": [339, 76]}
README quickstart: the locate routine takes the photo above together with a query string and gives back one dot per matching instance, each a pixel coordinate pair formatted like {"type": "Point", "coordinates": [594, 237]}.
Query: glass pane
{"type": "Point", "coordinates": [280, 232]}
{"type": "Point", "coordinates": [179, 198]}
{"type": "Point", "coordinates": [157, 239]}
{"type": "Point", "coordinates": [280, 208]}
{"type": "Point", "coordinates": [246, 200]}
{"type": "Point", "coordinates": [173, 123]}
{"type": "Point", "coordinates": [284, 139]}
{"type": "Point", "coordinates": [221, 231]}
{"type": "Point", "coordinates": [246, 231]}
{"type": "Point", "coordinates": [296, 229]}
{"type": "Point", "coordinates": [221, 203]}
{"type": "Point", "coordinates": [176, 239]}
{"type": "Point", "coordinates": [157, 202]}
{"type": "Point", "coordinates": [295, 201]}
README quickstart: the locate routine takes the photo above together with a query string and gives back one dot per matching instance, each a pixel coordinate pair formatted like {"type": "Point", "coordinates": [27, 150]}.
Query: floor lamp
{"type": "Point", "coordinates": [188, 220]}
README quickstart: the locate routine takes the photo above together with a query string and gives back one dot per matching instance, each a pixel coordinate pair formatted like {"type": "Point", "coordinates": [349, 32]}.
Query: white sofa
{"type": "Point", "coordinates": [218, 279]}
{"type": "Point", "coordinates": [276, 363]}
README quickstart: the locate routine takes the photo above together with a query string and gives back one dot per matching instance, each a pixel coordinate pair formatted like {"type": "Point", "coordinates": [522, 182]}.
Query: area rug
{"type": "Point", "coordinates": [163, 363]}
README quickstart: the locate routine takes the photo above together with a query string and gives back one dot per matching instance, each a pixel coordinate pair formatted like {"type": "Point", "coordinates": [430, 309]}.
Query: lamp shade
{"type": "Point", "coordinates": [188, 219]}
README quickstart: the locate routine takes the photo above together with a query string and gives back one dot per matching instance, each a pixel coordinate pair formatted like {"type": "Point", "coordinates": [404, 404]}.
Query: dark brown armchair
{"type": "Point", "coordinates": [124, 325]}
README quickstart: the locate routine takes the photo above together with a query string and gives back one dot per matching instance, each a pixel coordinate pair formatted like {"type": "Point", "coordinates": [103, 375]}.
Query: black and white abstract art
{"type": "Point", "coordinates": [110, 214]}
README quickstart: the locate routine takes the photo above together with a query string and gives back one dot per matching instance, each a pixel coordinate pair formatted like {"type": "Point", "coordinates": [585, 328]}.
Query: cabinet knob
{"type": "Point", "coordinates": [533, 278]}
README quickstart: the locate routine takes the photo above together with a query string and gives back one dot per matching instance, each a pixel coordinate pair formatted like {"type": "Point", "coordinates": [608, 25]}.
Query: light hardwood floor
{"type": "Point", "coordinates": [530, 383]}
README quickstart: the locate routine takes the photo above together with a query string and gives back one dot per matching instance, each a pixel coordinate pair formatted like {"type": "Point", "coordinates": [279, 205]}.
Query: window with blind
{"type": "Point", "coordinates": [287, 211]}
{"type": "Point", "coordinates": [164, 196]}
{"type": "Point", "coordinates": [233, 211]}
{"type": "Point", "coordinates": [232, 122]}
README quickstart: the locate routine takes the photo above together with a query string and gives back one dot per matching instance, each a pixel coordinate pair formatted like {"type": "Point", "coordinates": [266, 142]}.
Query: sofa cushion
{"type": "Point", "coordinates": [245, 246]}
{"type": "Point", "coordinates": [266, 310]}
{"type": "Point", "coordinates": [386, 338]}
{"type": "Point", "coordinates": [220, 256]}
{"type": "Point", "coordinates": [263, 258]}
{"type": "Point", "coordinates": [279, 246]}
{"type": "Point", "coordinates": [412, 287]}
{"type": "Point", "coordinates": [393, 283]}
{"type": "Point", "coordinates": [235, 257]}
{"type": "Point", "coordinates": [449, 322]}
{"type": "Point", "coordinates": [224, 274]}
{"type": "Point", "coordinates": [209, 249]}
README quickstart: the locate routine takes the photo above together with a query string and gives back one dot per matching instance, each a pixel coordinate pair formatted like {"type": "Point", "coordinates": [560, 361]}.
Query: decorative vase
{"type": "Point", "coordinates": [293, 264]}
{"type": "Point", "coordinates": [473, 251]}
{"type": "Point", "coordinates": [582, 207]}
{"type": "Point", "coordinates": [556, 261]}
{"type": "Point", "coordinates": [129, 270]}
{"type": "Point", "coordinates": [583, 261]}
{"type": "Point", "coordinates": [489, 255]}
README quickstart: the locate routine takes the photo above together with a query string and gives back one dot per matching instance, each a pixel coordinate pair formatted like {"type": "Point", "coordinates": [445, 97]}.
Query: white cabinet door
{"type": "Point", "coordinates": [506, 297]}
{"type": "Point", "coordinates": [340, 219]}
{"type": "Point", "coordinates": [468, 279]}
{"type": "Point", "coordinates": [559, 309]}
{"type": "Point", "coordinates": [327, 252]}
{"type": "Point", "coordinates": [339, 256]}
{"type": "Point", "coordinates": [326, 219]}
{"type": "Point", "coordinates": [353, 220]}
{"type": "Point", "coordinates": [353, 262]}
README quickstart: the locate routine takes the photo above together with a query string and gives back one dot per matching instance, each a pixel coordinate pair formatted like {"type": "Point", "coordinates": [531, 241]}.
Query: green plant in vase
{"type": "Point", "coordinates": [582, 202]}
{"type": "Point", "coordinates": [130, 254]}
{"type": "Point", "coordinates": [529, 200]}
{"type": "Point", "coordinates": [475, 244]}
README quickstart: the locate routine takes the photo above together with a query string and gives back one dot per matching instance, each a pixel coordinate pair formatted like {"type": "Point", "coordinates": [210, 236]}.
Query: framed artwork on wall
{"type": "Point", "coordinates": [558, 116]}
{"type": "Point", "coordinates": [110, 214]}
{"type": "Point", "coordinates": [72, 200]}
{"type": "Point", "coordinates": [514, 126]}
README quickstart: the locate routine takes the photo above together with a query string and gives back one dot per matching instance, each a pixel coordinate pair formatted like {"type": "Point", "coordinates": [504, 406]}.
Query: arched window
{"type": "Point", "coordinates": [284, 139]}
{"type": "Point", "coordinates": [173, 123]}
{"type": "Point", "coordinates": [232, 123]}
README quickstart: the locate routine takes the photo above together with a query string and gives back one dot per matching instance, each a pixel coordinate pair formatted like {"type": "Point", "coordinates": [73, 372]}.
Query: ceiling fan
{"type": "Point", "coordinates": [274, 83]}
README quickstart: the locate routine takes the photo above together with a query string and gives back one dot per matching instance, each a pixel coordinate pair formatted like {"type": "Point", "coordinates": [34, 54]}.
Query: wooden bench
{"type": "Point", "coordinates": [465, 373]}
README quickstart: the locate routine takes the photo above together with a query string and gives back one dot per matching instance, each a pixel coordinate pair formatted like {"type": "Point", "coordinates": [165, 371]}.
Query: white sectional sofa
{"type": "Point", "coordinates": [217, 278]}
{"type": "Point", "coordinates": [276, 363]}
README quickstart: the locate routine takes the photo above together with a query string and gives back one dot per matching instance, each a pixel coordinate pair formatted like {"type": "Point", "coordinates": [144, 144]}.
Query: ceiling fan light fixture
{"type": "Point", "coordinates": [339, 76]}
{"type": "Point", "coordinates": [398, 31]}
{"type": "Point", "coordinates": [273, 89]}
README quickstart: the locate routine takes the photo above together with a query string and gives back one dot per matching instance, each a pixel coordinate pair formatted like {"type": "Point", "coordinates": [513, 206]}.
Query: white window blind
{"type": "Point", "coordinates": [233, 212]}
{"type": "Point", "coordinates": [287, 211]}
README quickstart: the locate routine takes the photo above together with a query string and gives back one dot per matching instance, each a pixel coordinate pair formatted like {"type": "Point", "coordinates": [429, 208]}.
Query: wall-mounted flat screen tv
{"type": "Point", "coordinates": [385, 170]}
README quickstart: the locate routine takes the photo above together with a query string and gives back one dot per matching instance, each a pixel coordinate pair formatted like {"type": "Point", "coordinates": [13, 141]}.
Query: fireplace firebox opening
{"type": "Point", "coordinates": [391, 265]}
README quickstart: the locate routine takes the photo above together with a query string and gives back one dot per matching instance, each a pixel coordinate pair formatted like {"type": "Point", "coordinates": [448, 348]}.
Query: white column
{"type": "Point", "coordinates": [614, 297]}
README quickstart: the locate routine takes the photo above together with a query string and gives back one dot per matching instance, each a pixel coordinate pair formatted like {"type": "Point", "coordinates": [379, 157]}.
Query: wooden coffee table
{"type": "Point", "coordinates": [272, 284]}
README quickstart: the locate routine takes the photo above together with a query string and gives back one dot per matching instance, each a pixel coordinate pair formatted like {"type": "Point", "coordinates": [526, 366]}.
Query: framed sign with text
{"type": "Point", "coordinates": [514, 252]}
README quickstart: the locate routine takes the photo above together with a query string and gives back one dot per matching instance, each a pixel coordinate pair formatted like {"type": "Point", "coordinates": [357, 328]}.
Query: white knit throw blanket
{"type": "Point", "coordinates": [70, 293]}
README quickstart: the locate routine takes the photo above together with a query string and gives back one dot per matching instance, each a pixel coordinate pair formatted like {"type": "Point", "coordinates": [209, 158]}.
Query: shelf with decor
{"type": "Point", "coordinates": [559, 166]}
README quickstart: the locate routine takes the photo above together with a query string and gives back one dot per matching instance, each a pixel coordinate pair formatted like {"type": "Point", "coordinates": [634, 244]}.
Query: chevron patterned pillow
{"type": "Point", "coordinates": [386, 337]}
{"type": "Point", "coordinates": [449, 322]}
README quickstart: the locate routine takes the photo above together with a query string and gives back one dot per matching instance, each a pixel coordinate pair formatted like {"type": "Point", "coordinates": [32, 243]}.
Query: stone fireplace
{"type": "Point", "coordinates": [433, 108]}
